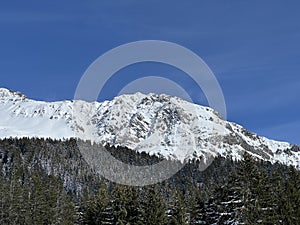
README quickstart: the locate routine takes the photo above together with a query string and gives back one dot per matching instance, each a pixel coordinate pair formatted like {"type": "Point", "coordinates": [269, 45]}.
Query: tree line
{"type": "Point", "coordinates": [48, 182]}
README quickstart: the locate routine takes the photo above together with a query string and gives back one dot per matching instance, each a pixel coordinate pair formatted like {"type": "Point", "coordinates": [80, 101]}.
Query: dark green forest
{"type": "Point", "coordinates": [44, 181]}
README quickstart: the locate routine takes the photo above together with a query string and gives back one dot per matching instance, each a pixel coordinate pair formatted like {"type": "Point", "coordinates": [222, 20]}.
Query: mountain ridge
{"type": "Point", "coordinates": [156, 124]}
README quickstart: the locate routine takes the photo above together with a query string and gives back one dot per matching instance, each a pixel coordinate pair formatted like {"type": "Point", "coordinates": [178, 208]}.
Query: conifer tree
{"type": "Point", "coordinates": [178, 215]}
{"type": "Point", "coordinates": [248, 181]}
{"type": "Point", "coordinates": [133, 207]}
{"type": "Point", "coordinates": [99, 209]}
{"type": "Point", "coordinates": [265, 203]}
{"type": "Point", "coordinates": [293, 196]}
{"type": "Point", "coordinates": [197, 208]}
{"type": "Point", "coordinates": [153, 208]}
{"type": "Point", "coordinates": [119, 205]}
{"type": "Point", "coordinates": [230, 200]}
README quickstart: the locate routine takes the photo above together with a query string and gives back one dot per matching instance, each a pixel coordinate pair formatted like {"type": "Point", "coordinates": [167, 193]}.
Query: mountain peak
{"type": "Point", "coordinates": [7, 94]}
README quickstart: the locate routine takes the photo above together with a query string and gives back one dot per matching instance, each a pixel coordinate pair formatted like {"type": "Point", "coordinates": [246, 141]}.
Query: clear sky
{"type": "Point", "coordinates": [253, 48]}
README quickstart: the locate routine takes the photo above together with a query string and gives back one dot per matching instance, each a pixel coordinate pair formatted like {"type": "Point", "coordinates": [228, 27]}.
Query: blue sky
{"type": "Point", "coordinates": [253, 48]}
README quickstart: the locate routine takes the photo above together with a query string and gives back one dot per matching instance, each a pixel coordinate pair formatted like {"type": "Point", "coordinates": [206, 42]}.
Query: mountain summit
{"type": "Point", "coordinates": [156, 124]}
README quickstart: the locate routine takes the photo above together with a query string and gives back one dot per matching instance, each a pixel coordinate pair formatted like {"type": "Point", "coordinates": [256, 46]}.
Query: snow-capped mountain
{"type": "Point", "coordinates": [157, 124]}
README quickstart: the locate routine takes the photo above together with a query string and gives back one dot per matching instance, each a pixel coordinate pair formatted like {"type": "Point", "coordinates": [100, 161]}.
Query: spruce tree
{"type": "Point", "coordinates": [230, 200]}
{"type": "Point", "coordinates": [248, 176]}
{"type": "Point", "coordinates": [133, 207]}
{"type": "Point", "coordinates": [197, 208]}
{"type": "Point", "coordinates": [265, 201]}
{"type": "Point", "coordinates": [99, 209]}
{"type": "Point", "coordinates": [178, 214]}
{"type": "Point", "coordinates": [119, 205]}
{"type": "Point", "coordinates": [153, 208]}
{"type": "Point", "coordinates": [293, 196]}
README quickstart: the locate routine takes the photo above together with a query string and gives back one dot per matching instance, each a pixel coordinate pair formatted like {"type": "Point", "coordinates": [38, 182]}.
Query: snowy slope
{"type": "Point", "coordinates": [157, 124]}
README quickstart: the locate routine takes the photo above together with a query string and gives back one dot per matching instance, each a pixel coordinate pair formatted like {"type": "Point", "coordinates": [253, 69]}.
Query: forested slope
{"type": "Point", "coordinates": [49, 182]}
